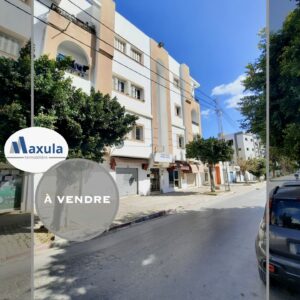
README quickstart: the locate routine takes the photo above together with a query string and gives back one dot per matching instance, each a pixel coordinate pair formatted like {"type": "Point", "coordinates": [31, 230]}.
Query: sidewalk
{"type": "Point", "coordinates": [15, 237]}
{"type": "Point", "coordinates": [135, 207]}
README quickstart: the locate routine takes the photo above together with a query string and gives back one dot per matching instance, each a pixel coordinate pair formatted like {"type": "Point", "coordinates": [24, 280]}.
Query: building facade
{"type": "Point", "coordinates": [246, 146]}
{"type": "Point", "coordinates": [13, 36]}
{"type": "Point", "coordinates": [113, 56]}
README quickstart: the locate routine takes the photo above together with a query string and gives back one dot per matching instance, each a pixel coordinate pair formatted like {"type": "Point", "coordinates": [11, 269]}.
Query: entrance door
{"type": "Point", "coordinates": [155, 180]}
{"type": "Point", "coordinates": [127, 181]}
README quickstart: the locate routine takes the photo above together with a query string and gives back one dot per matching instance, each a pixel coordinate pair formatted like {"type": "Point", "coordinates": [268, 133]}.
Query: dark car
{"type": "Point", "coordinates": [284, 237]}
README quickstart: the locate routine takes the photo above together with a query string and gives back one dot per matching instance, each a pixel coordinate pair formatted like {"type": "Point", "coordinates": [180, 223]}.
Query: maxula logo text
{"type": "Point", "coordinates": [21, 147]}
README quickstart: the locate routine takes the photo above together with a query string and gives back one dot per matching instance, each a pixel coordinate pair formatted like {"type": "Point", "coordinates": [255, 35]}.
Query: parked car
{"type": "Point", "coordinates": [284, 236]}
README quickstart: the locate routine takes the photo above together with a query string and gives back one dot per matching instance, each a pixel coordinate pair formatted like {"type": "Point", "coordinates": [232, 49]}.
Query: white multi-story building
{"type": "Point", "coordinates": [245, 146]}
{"type": "Point", "coordinates": [113, 56]}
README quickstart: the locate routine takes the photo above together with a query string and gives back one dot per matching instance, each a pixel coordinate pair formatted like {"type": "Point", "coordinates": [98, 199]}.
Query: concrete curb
{"type": "Point", "coordinates": [139, 220]}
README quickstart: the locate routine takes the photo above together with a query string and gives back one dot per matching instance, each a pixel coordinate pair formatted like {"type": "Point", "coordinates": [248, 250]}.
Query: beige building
{"type": "Point", "coordinates": [115, 57]}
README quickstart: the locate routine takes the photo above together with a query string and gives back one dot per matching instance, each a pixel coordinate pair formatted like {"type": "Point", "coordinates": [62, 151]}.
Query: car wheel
{"type": "Point", "coordinates": [262, 275]}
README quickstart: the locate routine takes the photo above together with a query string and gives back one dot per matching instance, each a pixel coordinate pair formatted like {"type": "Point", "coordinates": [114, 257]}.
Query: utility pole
{"type": "Point", "coordinates": [219, 114]}
{"type": "Point", "coordinates": [219, 118]}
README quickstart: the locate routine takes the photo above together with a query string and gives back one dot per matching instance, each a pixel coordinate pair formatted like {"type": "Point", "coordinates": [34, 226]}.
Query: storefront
{"type": "Point", "coordinates": [131, 175]}
{"type": "Point", "coordinates": [127, 181]}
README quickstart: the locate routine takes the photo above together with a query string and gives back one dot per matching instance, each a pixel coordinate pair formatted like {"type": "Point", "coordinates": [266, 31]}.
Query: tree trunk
{"type": "Point", "coordinates": [245, 176]}
{"type": "Point", "coordinates": [212, 181]}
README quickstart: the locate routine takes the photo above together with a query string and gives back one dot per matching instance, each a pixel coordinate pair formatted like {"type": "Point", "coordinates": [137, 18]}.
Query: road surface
{"type": "Point", "coordinates": [202, 254]}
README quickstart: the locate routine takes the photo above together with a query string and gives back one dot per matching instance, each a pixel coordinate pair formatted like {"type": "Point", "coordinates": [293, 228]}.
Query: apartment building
{"type": "Point", "coordinates": [245, 145]}
{"type": "Point", "coordinates": [115, 57]}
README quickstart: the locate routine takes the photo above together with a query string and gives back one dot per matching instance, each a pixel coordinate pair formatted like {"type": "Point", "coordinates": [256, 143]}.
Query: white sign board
{"type": "Point", "coordinates": [163, 158]}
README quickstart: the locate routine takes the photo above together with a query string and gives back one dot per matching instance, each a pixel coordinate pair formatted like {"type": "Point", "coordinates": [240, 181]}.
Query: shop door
{"type": "Point", "coordinates": [155, 180]}
{"type": "Point", "coordinates": [127, 181]}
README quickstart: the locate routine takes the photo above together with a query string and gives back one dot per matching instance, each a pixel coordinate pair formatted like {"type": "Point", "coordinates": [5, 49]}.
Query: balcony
{"type": "Point", "coordinates": [75, 68]}
{"type": "Point", "coordinates": [85, 26]}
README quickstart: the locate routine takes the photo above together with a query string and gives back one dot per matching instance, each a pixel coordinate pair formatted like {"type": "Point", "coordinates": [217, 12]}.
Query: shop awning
{"type": "Point", "coordinates": [183, 167]}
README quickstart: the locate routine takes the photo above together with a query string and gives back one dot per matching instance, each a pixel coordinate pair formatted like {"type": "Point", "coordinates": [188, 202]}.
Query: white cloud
{"type": "Point", "coordinates": [206, 112]}
{"type": "Point", "coordinates": [235, 89]}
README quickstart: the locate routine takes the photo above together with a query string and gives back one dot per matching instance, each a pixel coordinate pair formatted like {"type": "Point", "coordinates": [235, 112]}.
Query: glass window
{"type": "Point", "coordinates": [136, 92]}
{"type": "Point", "coordinates": [119, 85]}
{"type": "Point", "coordinates": [136, 55]}
{"type": "Point", "coordinates": [286, 213]}
{"type": "Point", "coordinates": [180, 141]}
{"type": "Point", "coordinates": [177, 111]}
{"type": "Point", "coordinates": [176, 82]}
{"type": "Point", "coordinates": [9, 46]}
{"type": "Point", "coordinates": [138, 133]}
{"type": "Point", "coordinates": [120, 45]}
{"type": "Point", "coordinates": [171, 178]}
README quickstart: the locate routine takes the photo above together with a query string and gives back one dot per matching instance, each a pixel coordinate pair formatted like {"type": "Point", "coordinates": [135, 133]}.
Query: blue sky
{"type": "Point", "coordinates": [215, 38]}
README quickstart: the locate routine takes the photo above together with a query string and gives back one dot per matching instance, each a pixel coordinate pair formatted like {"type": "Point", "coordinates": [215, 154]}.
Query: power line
{"type": "Point", "coordinates": [90, 15]}
{"type": "Point", "coordinates": [188, 92]}
{"type": "Point", "coordinates": [63, 32]}
{"type": "Point", "coordinates": [206, 95]}
{"type": "Point", "coordinates": [205, 103]}
{"type": "Point", "coordinates": [167, 80]}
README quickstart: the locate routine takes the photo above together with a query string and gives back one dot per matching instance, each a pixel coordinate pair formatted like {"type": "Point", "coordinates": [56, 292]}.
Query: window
{"type": "Point", "coordinates": [176, 82]}
{"type": "Point", "coordinates": [138, 133]}
{"type": "Point", "coordinates": [120, 45]}
{"type": "Point", "coordinates": [247, 149]}
{"type": "Point", "coordinates": [136, 55]}
{"type": "Point", "coordinates": [9, 46]}
{"type": "Point", "coordinates": [119, 85]}
{"type": "Point", "coordinates": [136, 92]}
{"type": "Point", "coordinates": [180, 141]}
{"type": "Point", "coordinates": [240, 149]}
{"type": "Point", "coordinates": [285, 213]}
{"type": "Point", "coordinates": [246, 139]}
{"type": "Point", "coordinates": [177, 111]}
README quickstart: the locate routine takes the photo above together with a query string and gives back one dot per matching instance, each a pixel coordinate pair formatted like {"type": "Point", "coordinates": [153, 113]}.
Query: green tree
{"type": "Point", "coordinates": [89, 123]}
{"type": "Point", "coordinates": [210, 151]}
{"type": "Point", "coordinates": [284, 89]}
{"type": "Point", "coordinates": [244, 167]}
{"type": "Point", "coordinates": [257, 167]}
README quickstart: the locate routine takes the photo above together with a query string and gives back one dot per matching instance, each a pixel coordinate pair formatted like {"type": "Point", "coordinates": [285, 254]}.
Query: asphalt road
{"type": "Point", "coordinates": [207, 253]}
{"type": "Point", "coordinates": [201, 254]}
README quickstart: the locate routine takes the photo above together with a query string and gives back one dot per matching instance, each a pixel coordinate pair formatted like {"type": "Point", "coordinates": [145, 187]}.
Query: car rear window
{"type": "Point", "coordinates": [285, 213]}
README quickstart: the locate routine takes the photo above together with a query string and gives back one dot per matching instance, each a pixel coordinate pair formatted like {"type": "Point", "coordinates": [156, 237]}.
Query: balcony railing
{"type": "Point", "coordinates": [85, 26]}
{"type": "Point", "coordinates": [75, 68]}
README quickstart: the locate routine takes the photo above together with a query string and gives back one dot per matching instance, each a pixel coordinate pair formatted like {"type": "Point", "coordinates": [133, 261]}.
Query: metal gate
{"type": "Point", "coordinates": [127, 181]}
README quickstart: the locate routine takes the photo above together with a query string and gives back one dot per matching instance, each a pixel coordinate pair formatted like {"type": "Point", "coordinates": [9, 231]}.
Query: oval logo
{"type": "Point", "coordinates": [35, 149]}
